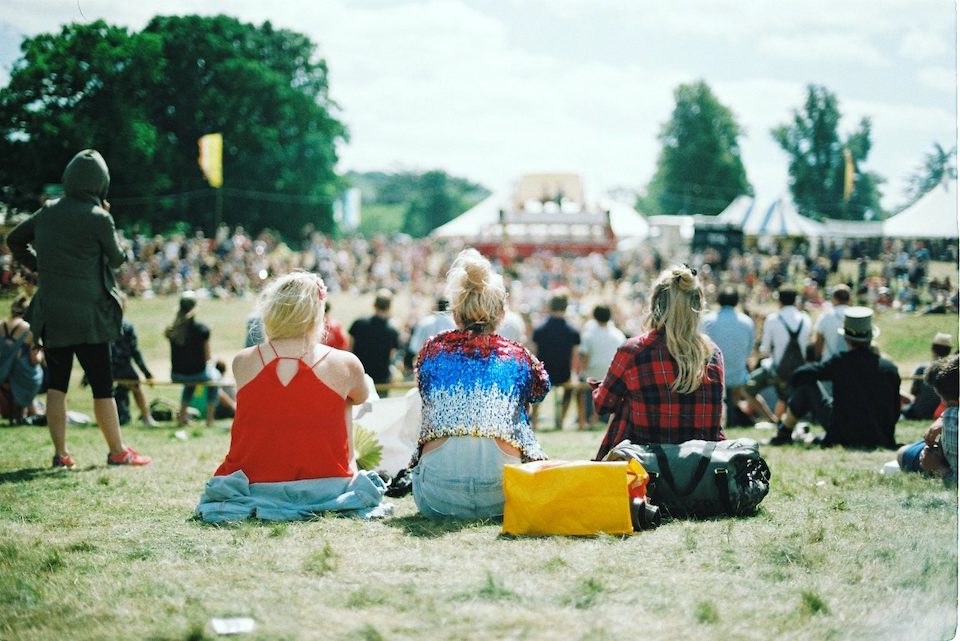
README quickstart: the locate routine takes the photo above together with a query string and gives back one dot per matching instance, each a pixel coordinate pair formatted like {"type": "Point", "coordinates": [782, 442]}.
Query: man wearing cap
{"type": "Point", "coordinates": [925, 399]}
{"type": "Point", "coordinates": [865, 405]}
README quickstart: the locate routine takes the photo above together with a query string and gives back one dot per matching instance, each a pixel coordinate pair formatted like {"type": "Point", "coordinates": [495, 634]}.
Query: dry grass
{"type": "Point", "coordinates": [838, 551]}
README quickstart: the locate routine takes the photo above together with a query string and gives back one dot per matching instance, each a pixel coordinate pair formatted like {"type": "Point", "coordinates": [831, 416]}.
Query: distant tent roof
{"type": "Point", "coordinates": [486, 212]}
{"type": "Point", "coordinates": [625, 221]}
{"type": "Point", "coordinates": [834, 228]}
{"type": "Point", "coordinates": [933, 216]}
{"type": "Point", "coordinates": [779, 218]}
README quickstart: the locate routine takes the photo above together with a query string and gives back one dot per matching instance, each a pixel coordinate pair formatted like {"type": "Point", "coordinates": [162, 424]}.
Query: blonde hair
{"type": "Point", "coordinates": [675, 308]}
{"type": "Point", "coordinates": [476, 293]}
{"type": "Point", "coordinates": [293, 306]}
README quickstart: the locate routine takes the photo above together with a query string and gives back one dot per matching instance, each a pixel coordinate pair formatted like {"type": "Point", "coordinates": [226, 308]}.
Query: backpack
{"type": "Point", "coordinates": [792, 356]}
{"type": "Point", "coordinates": [701, 478]}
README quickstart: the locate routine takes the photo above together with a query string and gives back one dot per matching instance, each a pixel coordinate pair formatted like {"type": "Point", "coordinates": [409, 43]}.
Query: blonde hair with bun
{"type": "Point", "coordinates": [476, 293]}
{"type": "Point", "coordinates": [675, 309]}
{"type": "Point", "coordinates": [293, 306]}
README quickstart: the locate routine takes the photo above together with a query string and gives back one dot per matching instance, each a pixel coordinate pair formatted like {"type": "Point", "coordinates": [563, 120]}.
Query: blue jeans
{"type": "Point", "coordinates": [463, 478]}
{"type": "Point", "coordinates": [211, 373]}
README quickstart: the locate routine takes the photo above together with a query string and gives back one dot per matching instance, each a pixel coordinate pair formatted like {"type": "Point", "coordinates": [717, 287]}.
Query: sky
{"type": "Point", "coordinates": [493, 89]}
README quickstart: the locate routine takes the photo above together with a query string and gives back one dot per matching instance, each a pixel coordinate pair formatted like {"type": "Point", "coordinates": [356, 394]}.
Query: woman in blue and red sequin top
{"type": "Point", "coordinates": [476, 389]}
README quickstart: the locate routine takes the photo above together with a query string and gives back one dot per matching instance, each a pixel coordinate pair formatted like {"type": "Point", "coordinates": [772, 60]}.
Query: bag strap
{"type": "Point", "coordinates": [793, 334]}
{"type": "Point", "coordinates": [722, 482]}
{"type": "Point", "coordinates": [665, 472]}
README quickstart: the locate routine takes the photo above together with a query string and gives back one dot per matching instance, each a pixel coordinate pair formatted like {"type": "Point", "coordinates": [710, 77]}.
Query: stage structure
{"type": "Point", "coordinates": [544, 212]}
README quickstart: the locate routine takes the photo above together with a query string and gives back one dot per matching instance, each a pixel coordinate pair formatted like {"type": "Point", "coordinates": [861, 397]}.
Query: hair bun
{"type": "Point", "coordinates": [685, 278]}
{"type": "Point", "coordinates": [475, 275]}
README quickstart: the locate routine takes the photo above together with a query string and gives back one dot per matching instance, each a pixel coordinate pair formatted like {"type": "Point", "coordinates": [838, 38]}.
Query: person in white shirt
{"type": "Point", "coordinates": [827, 342]}
{"type": "Point", "coordinates": [429, 326]}
{"type": "Point", "coordinates": [777, 328]}
{"type": "Point", "coordinates": [598, 345]}
{"type": "Point", "coordinates": [513, 327]}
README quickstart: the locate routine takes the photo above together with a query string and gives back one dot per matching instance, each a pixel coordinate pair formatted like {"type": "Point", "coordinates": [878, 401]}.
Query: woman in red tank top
{"type": "Point", "coordinates": [294, 394]}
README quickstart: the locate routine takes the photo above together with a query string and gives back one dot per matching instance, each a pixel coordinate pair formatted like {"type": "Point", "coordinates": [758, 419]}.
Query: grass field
{"type": "Point", "coordinates": [838, 551]}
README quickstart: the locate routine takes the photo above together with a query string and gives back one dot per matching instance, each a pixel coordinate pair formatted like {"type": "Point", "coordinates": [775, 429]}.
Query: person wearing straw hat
{"type": "Point", "coordinates": [925, 400]}
{"type": "Point", "coordinates": [865, 405]}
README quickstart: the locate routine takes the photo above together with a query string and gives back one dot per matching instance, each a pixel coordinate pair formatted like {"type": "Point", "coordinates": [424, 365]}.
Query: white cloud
{"type": "Point", "coordinates": [939, 78]}
{"type": "Point", "coordinates": [924, 45]}
{"type": "Point", "coordinates": [454, 84]}
{"type": "Point", "coordinates": [836, 48]}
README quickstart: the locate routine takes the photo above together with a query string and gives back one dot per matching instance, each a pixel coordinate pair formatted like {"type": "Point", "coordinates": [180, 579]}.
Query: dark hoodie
{"type": "Point", "coordinates": [72, 245]}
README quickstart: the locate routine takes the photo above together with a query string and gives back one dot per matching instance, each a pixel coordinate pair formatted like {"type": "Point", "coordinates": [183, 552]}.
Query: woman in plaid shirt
{"type": "Point", "coordinates": [666, 385]}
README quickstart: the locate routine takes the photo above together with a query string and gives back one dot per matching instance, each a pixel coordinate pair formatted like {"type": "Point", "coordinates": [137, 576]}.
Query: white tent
{"type": "Point", "coordinates": [625, 221]}
{"type": "Point", "coordinates": [779, 218]}
{"type": "Point", "coordinates": [933, 216]}
{"type": "Point", "coordinates": [484, 213]}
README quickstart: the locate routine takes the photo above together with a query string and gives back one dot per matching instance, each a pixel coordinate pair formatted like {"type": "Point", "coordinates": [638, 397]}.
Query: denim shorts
{"type": "Point", "coordinates": [911, 457]}
{"type": "Point", "coordinates": [210, 373]}
{"type": "Point", "coordinates": [462, 478]}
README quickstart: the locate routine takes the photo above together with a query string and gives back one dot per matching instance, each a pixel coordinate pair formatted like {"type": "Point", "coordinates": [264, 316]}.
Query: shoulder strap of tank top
{"type": "Point", "coordinates": [260, 354]}
{"type": "Point", "coordinates": [322, 356]}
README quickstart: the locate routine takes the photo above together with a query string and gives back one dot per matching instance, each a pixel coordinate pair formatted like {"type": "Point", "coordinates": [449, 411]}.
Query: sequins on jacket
{"type": "Point", "coordinates": [479, 385]}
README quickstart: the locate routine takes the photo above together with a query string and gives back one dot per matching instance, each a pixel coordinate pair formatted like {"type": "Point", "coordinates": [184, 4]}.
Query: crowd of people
{"type": "Point", "coordinates": [485, 342]}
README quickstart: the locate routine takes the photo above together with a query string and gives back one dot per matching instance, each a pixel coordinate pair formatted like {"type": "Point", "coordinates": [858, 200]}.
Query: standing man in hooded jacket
{"type": "Point", "coordinates": [72, 246]}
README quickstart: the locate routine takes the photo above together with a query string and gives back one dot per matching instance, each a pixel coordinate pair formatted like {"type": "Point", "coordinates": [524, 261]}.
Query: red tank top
{"type": "Point", "coordinates": [288, 432]}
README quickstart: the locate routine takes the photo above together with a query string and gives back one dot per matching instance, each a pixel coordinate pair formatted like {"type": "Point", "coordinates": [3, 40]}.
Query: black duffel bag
{"type": "Point", "coordinates": [701, 478]}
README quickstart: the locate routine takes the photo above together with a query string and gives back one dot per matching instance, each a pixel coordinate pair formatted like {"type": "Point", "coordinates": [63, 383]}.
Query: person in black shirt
{"type": "Point", "coordinates": [865, 405]}
{"type": "Point", "coordinates": [925, 399]}
{"type": "Point", "coordinates": [374, 340]}
{"type": "Point", "coordinates": [190, 357]}
{"type": "Point", "coordinates": [557, 340]}
{"type": "Point", "coordinates": [124, 352]}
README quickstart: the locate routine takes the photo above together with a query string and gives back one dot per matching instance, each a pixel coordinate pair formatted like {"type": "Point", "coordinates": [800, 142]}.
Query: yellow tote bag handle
{"type": "Point", "coordinates": [569, 497]}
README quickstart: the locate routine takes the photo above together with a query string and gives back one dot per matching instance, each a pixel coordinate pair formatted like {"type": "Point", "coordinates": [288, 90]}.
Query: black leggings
{"type": "Point", "coordinates": [95, 361]}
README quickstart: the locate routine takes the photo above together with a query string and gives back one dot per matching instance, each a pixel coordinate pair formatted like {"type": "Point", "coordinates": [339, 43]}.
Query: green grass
{"type": "Point", "coordinates": [837, 551]}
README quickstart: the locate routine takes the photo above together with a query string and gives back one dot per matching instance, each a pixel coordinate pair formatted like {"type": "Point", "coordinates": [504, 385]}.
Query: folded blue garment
{"type": "Point", "coordinates": [235, 498]}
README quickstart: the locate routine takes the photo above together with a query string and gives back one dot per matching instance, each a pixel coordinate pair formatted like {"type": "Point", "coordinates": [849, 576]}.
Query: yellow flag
{"type": "Point", "coordinates": [211, 158]}
{"type": "Point", "coordinates": [848, 173]}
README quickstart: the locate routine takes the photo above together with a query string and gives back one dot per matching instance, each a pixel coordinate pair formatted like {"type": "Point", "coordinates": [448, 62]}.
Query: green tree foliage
{"type": "Point", "coordinates": [86, 86]}
{"type": "Point", "coordinates": [415, 203]}
{"type": "Point", "coordinates": [699, 170]}
{"type": "Point", "coordinates": [817, 165]}
{"type": "Point", "coordinates": [937, 165]}
{"type": "Point", "coordinates": [144, 99]}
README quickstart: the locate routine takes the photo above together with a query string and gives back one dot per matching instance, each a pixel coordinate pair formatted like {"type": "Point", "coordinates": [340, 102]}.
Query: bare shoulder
{"type": "Point", "coordinates": [246, 365]}
{"type": "Point", "coordinates": [345, 359]}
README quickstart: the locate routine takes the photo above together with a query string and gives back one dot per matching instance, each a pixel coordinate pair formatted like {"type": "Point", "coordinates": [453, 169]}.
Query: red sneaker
{"type": "Point", "coordinates": [128, 456]}
{"type": "Point", "coordinates": [66, 462]}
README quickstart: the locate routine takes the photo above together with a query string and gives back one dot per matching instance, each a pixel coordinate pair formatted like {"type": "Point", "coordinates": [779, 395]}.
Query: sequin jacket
{"type": "Point", "coordinates": [479, 385]}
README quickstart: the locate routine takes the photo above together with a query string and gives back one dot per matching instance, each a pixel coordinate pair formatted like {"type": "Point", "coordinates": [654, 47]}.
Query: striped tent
{"type": "Point", "coordinates": [777, 219]}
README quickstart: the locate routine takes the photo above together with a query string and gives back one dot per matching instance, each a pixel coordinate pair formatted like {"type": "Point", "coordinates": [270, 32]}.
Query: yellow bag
{"type": "Point", "coordinates": [571, 497]}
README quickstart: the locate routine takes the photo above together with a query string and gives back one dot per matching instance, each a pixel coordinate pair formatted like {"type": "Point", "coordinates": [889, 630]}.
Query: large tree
{"type": "Point", "coordinates": [437, 199]}
{"type": "Point", "coordinates": [86, 86]}
{"type": "Point", "coordinates": [144, 99]}
{"type": "Point", "coordinates": [699, 170]}
{"type": "Point", "coordinates": [266, 91]}
{"type": "Point", "coordinates": [821, 161]}
{"type": "Point", "coordinates": [937, 166]}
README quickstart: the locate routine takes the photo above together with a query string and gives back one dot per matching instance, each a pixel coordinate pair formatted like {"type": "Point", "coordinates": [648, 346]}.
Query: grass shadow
{"type": "Point", "coordinates": [422, 527]}
{"type": "Point", "coordinates": [32, 473]}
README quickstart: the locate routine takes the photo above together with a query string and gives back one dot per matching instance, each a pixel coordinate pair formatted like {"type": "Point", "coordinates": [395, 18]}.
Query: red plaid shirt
{"type": "Point", "coordinates": [637, 391]}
